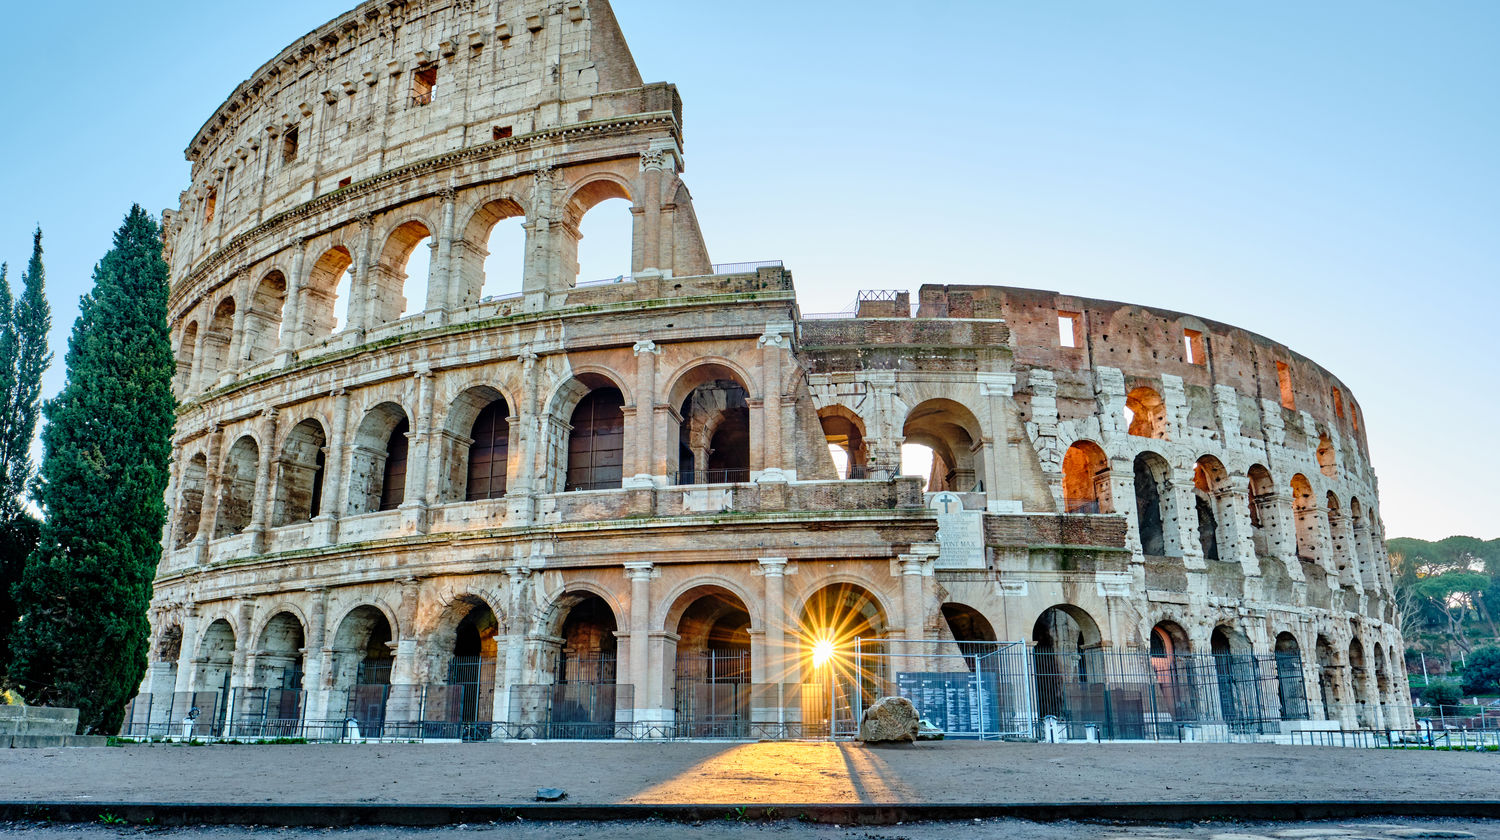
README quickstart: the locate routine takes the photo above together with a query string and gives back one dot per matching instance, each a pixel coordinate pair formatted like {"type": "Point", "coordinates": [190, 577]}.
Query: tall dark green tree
{"type": "Point", "coordinates": [82, 637]}
{"type": "Point", "coordinates": [8, 359]}
{"type": "Point", "coordinates": [31, 321]}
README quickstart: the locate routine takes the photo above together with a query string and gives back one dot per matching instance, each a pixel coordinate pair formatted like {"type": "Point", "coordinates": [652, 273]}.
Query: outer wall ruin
{"type": "Point", "coordinates": [381, 489]}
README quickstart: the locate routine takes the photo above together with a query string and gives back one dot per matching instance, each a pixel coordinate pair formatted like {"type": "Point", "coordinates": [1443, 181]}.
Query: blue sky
{"type": "Point", "coordinates": [1323, 173]}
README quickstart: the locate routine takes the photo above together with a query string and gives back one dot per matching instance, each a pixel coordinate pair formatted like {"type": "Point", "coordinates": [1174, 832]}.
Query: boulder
{"type": "Point", "coordinates": [889, 720]}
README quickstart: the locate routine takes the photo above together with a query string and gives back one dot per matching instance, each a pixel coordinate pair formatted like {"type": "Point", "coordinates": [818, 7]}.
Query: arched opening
{"type": "Point", "coordinates": [363, 653]}
{"type": "Point", "coordinates": [972, 632]}
{"type": "Point", "coordinates": [1210, 492]}
{"type": "Point", "coordinates": [1361, 680]}
{"type": "Point", "coordinates": [952, 433]}
{"type": "Point", "coordinates": [489, 452]}
{"type": "Point", "coordinates": [377, 475]}
{"type": "Point", "coordinates": [1234, 666]}
{"type": "Point", "coordinates": [466, 656]}
{"type": "Point", "coordinates": [186, 348]}
{"type": "Point", "coordinates": [215, 663]}
{"type": "Point", "coordinates": [1152, 497]}
{"type": "Point", "coordinates": [1328, 679]}
{"type": "Point", "coordinates": [1306, 513]}
{"type": "Point", "coordinates": [1262, 510]}
{"type": "Point", "coordinates": [844, 432]}
{"type": "Point", "coordinates": [272, 707]}
{"type": "Point", "coordinates": [596, 444]}
{"type": "Point", "coordinates": [1290, 689]}
{"type": "Point", "coordinates": [713, 439]}
{"type": "Point", "coordinates": [1327, 460]}
{"type": "Point", "coordinates": [831, 620]}
{"type": "Point", "coordinates": [1359, 549]}
{"type": "Point", "coordinates": [1086, 479]}
{"type": "Point", "coordinates": [1145, 413]}
{"type": "Point", "coordinates": [237, 496]}
{"type": "Point", "coordinates": [1338, 546]}
{"type": "Point", "coordinates": [1172, 665]}
{"type": "Point", "coordinates": [599, 235]}
{"type": "Point", "coordinates": [1069, 667]}
{"type": "Point", "coordinates": [1382, 685]}
{"type": "Point", "coordinates": [585, 695]}
{"type": "Point", "coordinates": [712, 688]}
{"type": "Point", "coordinates": [299, 483]}
{"type": "Point", "coordinates": [325, 299]}
{"type": "Point", "coordinates": [494, 259]}
{"type": "Point", "coordinates": [191, 486]}
{"type": "Point", "coordinates": [216, 344]}
{"type": "Point", "coordinates": [398, 285]}
{"type": "Point", "coordinates": [263, 320]}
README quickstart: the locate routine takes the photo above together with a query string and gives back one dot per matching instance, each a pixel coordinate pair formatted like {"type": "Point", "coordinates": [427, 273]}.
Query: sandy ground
{"type": "Point", "coordinates": [986, 830]}
{"type": "Point", "coordinates": [772, 772]}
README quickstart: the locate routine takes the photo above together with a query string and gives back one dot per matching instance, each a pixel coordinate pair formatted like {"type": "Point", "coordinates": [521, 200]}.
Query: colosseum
{"type": "Point", "coordinates": [435, 503]}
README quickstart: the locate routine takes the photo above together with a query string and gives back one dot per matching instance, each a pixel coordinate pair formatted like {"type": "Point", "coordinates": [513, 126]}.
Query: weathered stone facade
{"type": "Point", "coordinates": [640, 472]}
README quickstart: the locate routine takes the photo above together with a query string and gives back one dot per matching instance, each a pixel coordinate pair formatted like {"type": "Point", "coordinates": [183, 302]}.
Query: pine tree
{"type": "Point", "coordinates": [31, 322]}
{"type": "Point", "coordinates": [82, 637]}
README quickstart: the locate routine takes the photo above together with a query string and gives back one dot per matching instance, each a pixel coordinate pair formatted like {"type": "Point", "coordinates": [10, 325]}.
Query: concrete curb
{"type": "Point", "coordinates": [328, 815]}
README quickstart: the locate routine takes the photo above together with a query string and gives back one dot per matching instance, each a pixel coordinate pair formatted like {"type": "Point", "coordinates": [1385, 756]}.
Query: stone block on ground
{"type": "Point", "coordinates": [889, 720]}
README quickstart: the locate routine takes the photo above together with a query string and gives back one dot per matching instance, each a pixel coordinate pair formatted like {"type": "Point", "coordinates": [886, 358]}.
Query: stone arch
{"type": "Point", "coordinates": [591, 191]}
{"type": "Point", "coordinates": [1291, 690]}
{"type": "Point", "coordinates": [1146, 413]}
{"type": "Point", "coordinates": [1327, 456]}
{"type": "Point", "coordinates": [1360, 681]}
{"type": "Point", "coordinates": [187, 347]}
{"type": "Point", "coordinates": [970, 630]}
{"type": "Point", "coordinates": [1329, 682]}
{"type": "Point", "coordinates": [1214, 513]}
{"type": "Point", "coordinates": [1305, 510]}
{"type": "Point", "coordinates": [320, 296]}
{"type": "Point", "coordinates": [279, 652]}
{"type": "Point", "coordinates": [711, 671]}
{"type": "Point", "coordinates": [378, 460]}
{"type": "Point", "coordinates": [1360, 548]}
{"type": "Point", "coordinates": [1085, 479]}
{"type": "Point", "coordinates": [217, 340]}
{"type": "Point", "coordinates": [388, 297]}
{"type": "Point", "coordinates": [1169, 639]}
{"type": "Point", "coordinates": [215, 658]}
{"type": "Point", "coordinates": [191, 486]}
{"type": "Point", "coordinates": [1170, 652]}
{"type": "Point", "coordinates": [588, 450]}
{"type": "Point", "coordinates": [953, 434]}
{"type": "Point", "coordinates": [1382, 683]}
{"type": "Point", "coordinates": [462, 652]}
{"type": "Point", "coordinates": [838, 612]}
{"type": "Point", "coordinates": [472, 275]}
{"type": "Point", "coordinates": [1338, 547]}
{"type": "Point", "coordinates": [1153, 506]}
{"type": "Point", "coordinates": [237, 487]}
{"type": "Point", "coordinates": [1234, 668]}
{"type": "Point", "coordinates": [844, 432]}
{"type": "Point", "coordinates": [1066, 657]}
{"type": "Point", "coordinates": [300, 475]}
{"type": "Point", "coordinates": [714, 437]}
{"type": "Point", "coordinates": [1262, 510]}
{"type": "Point", "coordinates": [475, 445]}
{"type": "Point", "coordinates": [264, 318]}
{"type": "Point", "coordinates": [669, 611]}
{"type": "Point", "coordinates": [363, 656]}
{"type": "Point", "coordinates": [586, 623]}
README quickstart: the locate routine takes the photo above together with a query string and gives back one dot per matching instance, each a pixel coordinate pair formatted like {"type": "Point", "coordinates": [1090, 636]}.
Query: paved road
{"type": "Point", "coordinates": [985, 830]}
{"type": "Point", "coordinates": [769, 773]}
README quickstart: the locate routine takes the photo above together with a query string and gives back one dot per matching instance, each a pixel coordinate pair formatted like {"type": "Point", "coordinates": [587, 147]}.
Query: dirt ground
{"type": "Point", "coordinates": [772, 772]}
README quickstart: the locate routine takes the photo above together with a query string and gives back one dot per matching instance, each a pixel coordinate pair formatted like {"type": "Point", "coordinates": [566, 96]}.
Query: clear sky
{"type": "Point", "coordinates": [1326, 174]}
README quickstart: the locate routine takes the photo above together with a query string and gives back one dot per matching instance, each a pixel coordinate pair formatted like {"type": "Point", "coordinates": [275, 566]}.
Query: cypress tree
{"type": "Point", "coordinates": [8, 366]}
{"type": "Point", "coordinates": [31, 322]}
{"type": "Point", "coordinates": [82, 637]}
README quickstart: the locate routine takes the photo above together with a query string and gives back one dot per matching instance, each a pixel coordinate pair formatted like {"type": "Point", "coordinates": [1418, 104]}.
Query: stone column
{"type": "Point", "coordinates": [291, 319]}
{"type": "Point", "coordinates": [404, 704]}
{"type": "Point", "coordinates": [194, 382]}
{"type": "Point", "coordinates": [422, 453]}
{"type": "Point", "coordinates": [315, 656]}
{"type": "Point", "coordinates": [440, 280]}
{"type": "Point", "coordinates": [914, 567]}
{"type": "Point", "coordinates": [239, 669]}
{"type": "Point", "coordinates": [775, 666]}
{"type": "Point", "coordinates": [1182, 515]}
{"type": "Point", "coordinates": [361, 300]}
{"type": "Point", "coordinates": [652, 163]}
{"type": "Point", "coordinates": [1122, 496]}
{"type": "Point", "coordinates": [517, 621]}
{"type": "Point", "coordinates": [774, 345]}
{"type": "Point", "coordinates": [1276, 514]}
{"type": "Point", "coordinates": [335, 469]}
{"type": "Point", "coordinates": [234, 357]}
{"type": "Point", "coordinates": [260, 510]}
{"type": "Point", "coordinates": [644, 438]}
{"type": "Point", "coordinates": [648, 703]}
{"type": "Point", "coordinates": [209, 511]}
{"type": "Point", "coordinates": [1234, 511]}
{"type": "Point", "coordinates": [174, 507]}
{"type": "Point", "coordinates": [189, 650]}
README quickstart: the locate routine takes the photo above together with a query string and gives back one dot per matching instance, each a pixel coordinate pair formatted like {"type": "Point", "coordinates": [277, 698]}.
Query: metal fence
{"type": "Point", "coordinates": [1403, 739]}
{"type": "Point", "coordinates": [1115, 695]}
{"type": "Point", "coordinates": [722, 476]}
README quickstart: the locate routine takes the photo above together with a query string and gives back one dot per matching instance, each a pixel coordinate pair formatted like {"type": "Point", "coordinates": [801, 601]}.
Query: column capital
{"type": "Point", "coordinates": [646, 345]}
{"type": "Point", "coordinates": [773, 566]}
{"type": "Point", "coordinates": [643, 570]}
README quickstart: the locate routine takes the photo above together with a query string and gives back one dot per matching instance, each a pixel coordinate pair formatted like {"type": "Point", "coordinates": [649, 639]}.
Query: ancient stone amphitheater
{"type": "Point", "coordinates": [672, 504]}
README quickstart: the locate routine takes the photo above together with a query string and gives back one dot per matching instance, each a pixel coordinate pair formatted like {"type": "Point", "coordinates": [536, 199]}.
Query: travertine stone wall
{"type": "Point", "coordinates": [1209, 505]}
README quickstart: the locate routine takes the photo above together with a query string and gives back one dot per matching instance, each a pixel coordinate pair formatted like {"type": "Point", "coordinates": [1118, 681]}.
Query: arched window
{"type": "Point", "coordinates": [844, 432]}
{"type": "Point", "coordinates": [604, 243]}
{"type": "Point", "coordinates": [263, 321]}
{"type": "Point", "coordinates": [398, 285]}
{"type": "Point", "coordinates": [713, 441]}
{"type": "Point", "coordinates": [237, 499]}
{"type": "Point", "coordinates": [596, 446]}
{"type": "Point", "coordinates": [393, 483]}
{"type": "Point", "coordinates": [1290, 688]}
{"type": "Point", "coordinates": [952, 433]}
{"type": "Point", "coordinates": [192, 483]}
{"type": "Point", "coordinates": [493, 260]}
{"type": "Point", "coordinates": [1146, 413]}
{"type": "Point", "coordinates": [1086, 479]}
{"type": "Point", "coordinates": [489, 452]}
{"type": "Point", "coordinates": [299, 485]}
{"type": "Point", "coordinates": [1304, 508]}
{"type": "Point", "coordinates": [1327, 460]}
{"type": "Point", "coordinates": [216, 344]}
{"type": "Point", "coordinates": [186, 348]}
{"type": "Point", "coordinates": [325, 300]}
{"type": "Point", "coordinates": [1151, 505]}
{"type": "Point", "coordinates": [1210, 485]}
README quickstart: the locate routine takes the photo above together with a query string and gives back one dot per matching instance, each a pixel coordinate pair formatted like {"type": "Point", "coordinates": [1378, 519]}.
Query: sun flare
{"type": "Point", "coordinates": [822, 651]}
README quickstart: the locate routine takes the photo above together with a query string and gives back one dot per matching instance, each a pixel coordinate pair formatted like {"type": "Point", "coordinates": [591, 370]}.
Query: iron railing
{"type": "Point", "coordinates": [724, 476]}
